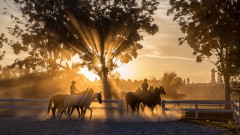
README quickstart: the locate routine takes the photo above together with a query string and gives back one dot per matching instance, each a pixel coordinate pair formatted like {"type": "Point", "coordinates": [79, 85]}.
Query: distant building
{"type": "Point", "coordinates": [213, 80]}
{"type": "Point", "coordinates": [188, 81]}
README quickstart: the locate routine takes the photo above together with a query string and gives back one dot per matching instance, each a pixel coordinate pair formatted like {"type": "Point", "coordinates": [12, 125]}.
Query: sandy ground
{"type": "Point", "coordinates": [30, 126]}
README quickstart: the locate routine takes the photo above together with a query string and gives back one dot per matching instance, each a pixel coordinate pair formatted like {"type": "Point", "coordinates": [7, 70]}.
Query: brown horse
{"type": "Point", "coordinates": [151, 99]}
{"type": "Point", "coordinates": [58, 102]}
{"type": "Point", "coordinates": [133, 101]}
{"type": "Point", "coordinates": [88, 91]}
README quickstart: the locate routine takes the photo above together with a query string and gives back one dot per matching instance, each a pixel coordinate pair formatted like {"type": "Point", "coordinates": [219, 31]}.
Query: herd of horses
{"type": "Point", "coordinates": [67, 103]}
{"type": "Point", "coordinates": [141, 98]}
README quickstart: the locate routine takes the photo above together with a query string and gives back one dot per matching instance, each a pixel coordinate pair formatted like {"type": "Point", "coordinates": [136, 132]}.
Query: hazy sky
{"type": "Point", "coordinates": [161, 52]}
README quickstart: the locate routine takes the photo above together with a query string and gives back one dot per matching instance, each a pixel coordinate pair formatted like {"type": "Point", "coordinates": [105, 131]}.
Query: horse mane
{"type": "Point", "coordinates": [87, 91]}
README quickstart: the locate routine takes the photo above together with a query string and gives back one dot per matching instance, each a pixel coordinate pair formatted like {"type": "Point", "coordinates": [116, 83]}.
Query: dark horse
{"type": "Point", "coordinates": [133, 101]}
{"type": "Point", "coordinates": [58, 103]}
{"type": "Point", "coordinates": [151, 98]}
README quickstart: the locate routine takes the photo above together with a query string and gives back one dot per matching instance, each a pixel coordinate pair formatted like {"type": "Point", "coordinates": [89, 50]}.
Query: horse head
{"type": "Point", "coordinates": [90, 91]}
{"type": "Point", "coordinates": [162, 91]}
{"type": "Point", "coordinates": [99, 97]}
{"type": "Point", "coordinates": [158, 91]}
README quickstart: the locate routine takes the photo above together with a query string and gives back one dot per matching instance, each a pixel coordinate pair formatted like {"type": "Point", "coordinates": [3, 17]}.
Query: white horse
{"type": "Point", "coordinates": [82, 101]}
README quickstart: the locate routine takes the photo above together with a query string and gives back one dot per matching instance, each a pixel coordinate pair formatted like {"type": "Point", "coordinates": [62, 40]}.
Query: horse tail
{"type": "Point", "coordinates": [127, 106]}
{"type": "Point", "coordinates": [50, 104]}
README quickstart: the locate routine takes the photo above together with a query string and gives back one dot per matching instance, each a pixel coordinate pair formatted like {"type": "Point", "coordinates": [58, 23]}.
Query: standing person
{"type": "Point", "coordinates": [145, 86]}
{"type": "Point", "coordinates": [73, 89]}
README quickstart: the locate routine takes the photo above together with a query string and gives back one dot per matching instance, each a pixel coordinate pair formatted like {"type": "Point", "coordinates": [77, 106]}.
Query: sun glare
{"type": "Point", "coordinates": [90, 75]}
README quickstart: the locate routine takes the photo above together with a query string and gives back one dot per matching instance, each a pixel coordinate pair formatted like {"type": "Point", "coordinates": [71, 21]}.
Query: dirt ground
{"type": "Point", "coordinates": [30, 126]}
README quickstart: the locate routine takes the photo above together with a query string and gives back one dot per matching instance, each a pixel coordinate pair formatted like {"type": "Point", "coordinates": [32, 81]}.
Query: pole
{"type": "Point", "coordinates": [11, 106]}
{"type": "Point", "coordinates": [163, 107]}
{"type": "Point", "coordinates": [196, 111]}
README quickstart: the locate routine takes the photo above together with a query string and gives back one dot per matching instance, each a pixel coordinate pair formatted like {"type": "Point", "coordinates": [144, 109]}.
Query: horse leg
{"type": "Point", "coordinates": [60, 108]}
{"type": "Point", "coordinates": [70, 112]}
{"type": "Point", "coordinates": [63, 110]}
{"type": "Point", "coordinates": [137, 109]}
{"type": "Point", "coordinates": [53, 112]}
{"type": "Point", "coordinates": [91, 112]}
{"type": "Point", "coordinates": [81, 110]}
{"type": "Point", "coordinates": [78, 112]}
{"type": "Point", "coordinates": [84, 112]}
{"type": "Point", "coordinates": [133, 109]}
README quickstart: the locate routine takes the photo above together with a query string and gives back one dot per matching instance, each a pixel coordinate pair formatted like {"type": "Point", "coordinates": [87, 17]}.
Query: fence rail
{"type": "Point", "coordinates": [12, 104]}
{"type": "Point", "coordinates": [196, 104]}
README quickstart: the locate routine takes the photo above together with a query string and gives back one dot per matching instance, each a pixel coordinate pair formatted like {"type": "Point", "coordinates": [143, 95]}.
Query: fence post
{"type": "Point", "coordinates": [163, 107]}
{"type": "Point", "coordinates": [121, 108]}
{"type": "Point", "coordinates": [196, 111]}
{"type": "Point", "coordinates": [11, 106]}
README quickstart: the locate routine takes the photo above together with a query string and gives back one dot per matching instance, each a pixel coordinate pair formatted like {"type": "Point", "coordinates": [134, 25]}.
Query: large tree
{"type": "Point", "coordinates": [3, 40]}
{"type": "Point", "coordinates": [103, 32]}
{"type": "Point", "coordinates": [211, 28]}
{"type": "Point", "coordinates": [44, 52]}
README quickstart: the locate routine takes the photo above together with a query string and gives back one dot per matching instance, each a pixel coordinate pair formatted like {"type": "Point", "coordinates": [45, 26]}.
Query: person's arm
{"type": "Point", "coordinates": [76, 89]}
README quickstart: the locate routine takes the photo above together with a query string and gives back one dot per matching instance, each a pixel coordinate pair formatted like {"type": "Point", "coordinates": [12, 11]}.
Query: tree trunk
{"type": "Point", "coordinates": [106, 87]}
{"type": "Point", "coordinates": [227, 89]}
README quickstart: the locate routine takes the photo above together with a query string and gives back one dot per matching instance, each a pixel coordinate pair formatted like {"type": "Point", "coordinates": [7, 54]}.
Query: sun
{"type": "Point", "coordinates": [88, 74]}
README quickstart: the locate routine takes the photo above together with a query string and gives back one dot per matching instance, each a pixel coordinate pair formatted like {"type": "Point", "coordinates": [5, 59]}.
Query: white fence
{"type": "Point", "coordinates": [197, 106]}
{"type": "Point", "coordinates": [12, 104]}
{"type": "Point", "coordinates": [236, 112]}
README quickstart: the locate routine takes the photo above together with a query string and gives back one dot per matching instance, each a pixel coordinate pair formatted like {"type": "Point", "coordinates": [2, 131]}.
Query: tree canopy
{"type": "Point", "coordinates": [3, 40]}
{"type": "Point", "coordinates": [211, 28]}
{"type": "Point", "coordinates": [171, 83]}
{"type": "Point", "coordinates": [104, 33]}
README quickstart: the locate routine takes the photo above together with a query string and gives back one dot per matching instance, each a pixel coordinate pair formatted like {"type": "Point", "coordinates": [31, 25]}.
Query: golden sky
{"type": "Point", "coordinates": [161, 52]}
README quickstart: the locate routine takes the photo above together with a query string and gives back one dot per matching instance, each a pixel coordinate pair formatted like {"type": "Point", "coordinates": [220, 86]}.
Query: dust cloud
{"type": "Point", "coordinates": [38, 86]}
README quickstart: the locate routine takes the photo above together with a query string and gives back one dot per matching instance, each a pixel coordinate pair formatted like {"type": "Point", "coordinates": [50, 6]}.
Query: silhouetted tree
{"type": "Point", "coordinates": [103, 32]}
{"type": "Point", "coordinates": [45, 52]}
{"type": "Point", "coordinates": [211, 28]}
{"type": "Point", "coordinates": [235, 81]}
{"type": "Point", "coordinates": [171, 83]}
{"type": "Point", "coordinates": [3, 40]}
